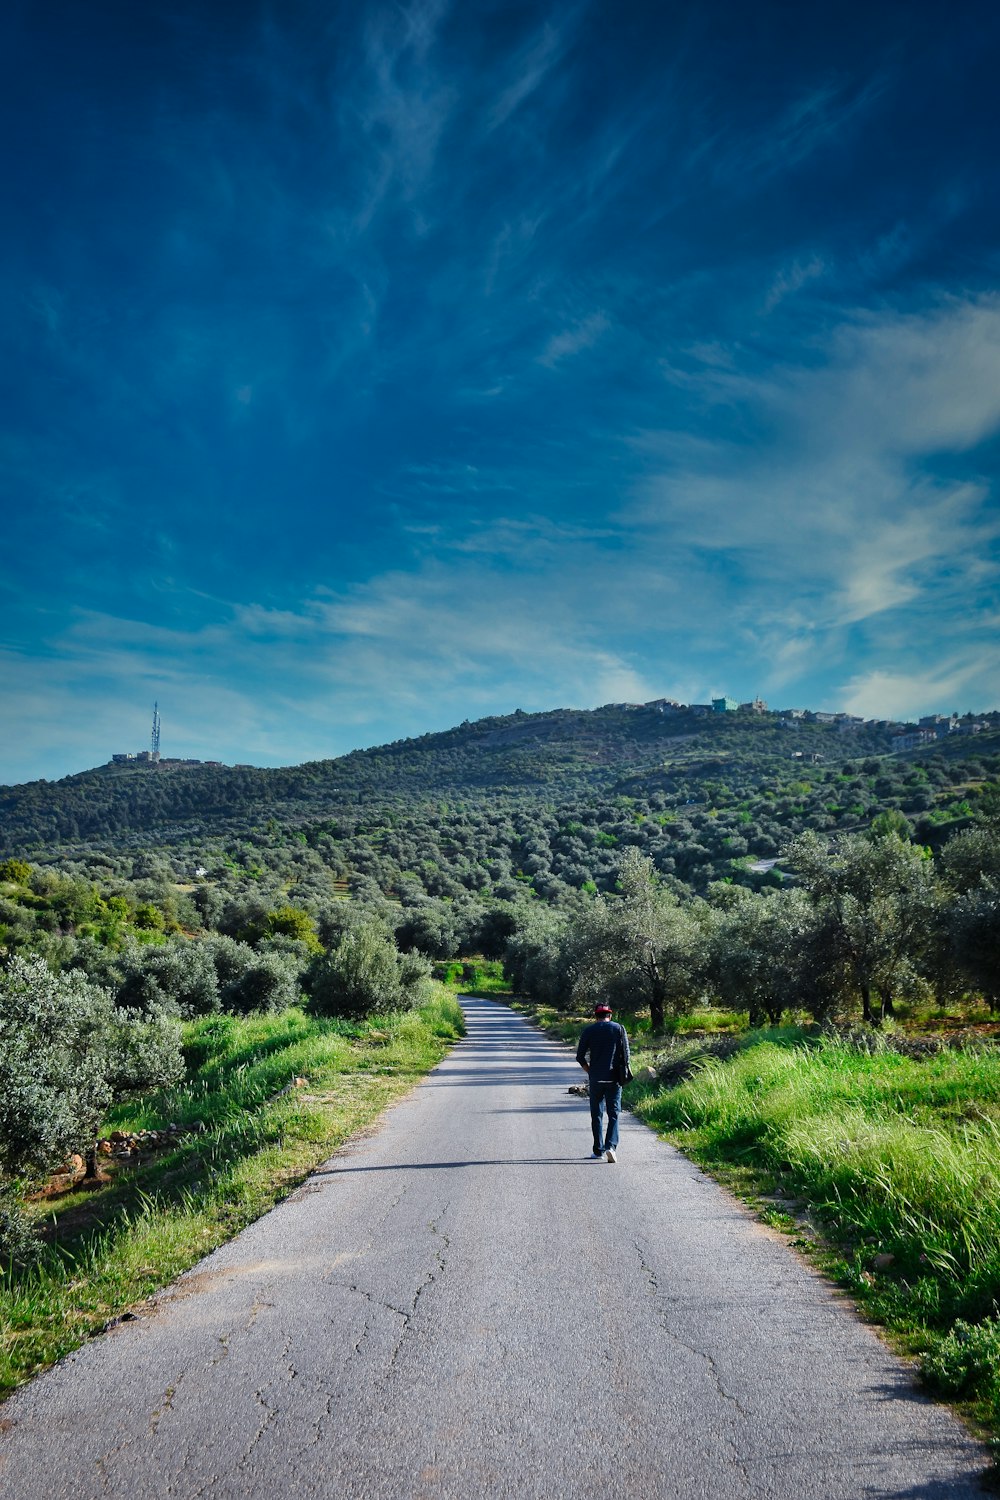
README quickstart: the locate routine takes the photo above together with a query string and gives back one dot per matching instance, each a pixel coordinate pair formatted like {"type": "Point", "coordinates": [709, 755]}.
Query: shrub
{"type": "Point", "coordinates": [179, 979]}
{"type": "Point", "coordinates": [269, 983]}
{"type": "Point", "coordinates": [66, 1053]}
{"type": "Point", "coordinates": [966, 1361]}
{"type": "Point", "coordinates": [366, 975]}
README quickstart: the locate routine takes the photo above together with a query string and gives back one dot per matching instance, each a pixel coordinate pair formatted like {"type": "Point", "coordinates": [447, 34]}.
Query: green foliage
{"type": "Point", "coordinates": [890, 823]}
{"type": "Point", "coordinates": [874, 900]}
{"type": "Point", "coordinates": [966, 1362]}
{"type": "Point", "coordinates": [756, 946]}
{"type": "Point", "coordinates": [269, 983]}
{"type": "Point", "coordinates": [890, 1151]}
{"type": "Point", "coordinates": [452, 839]}
{"type": "Point", "coordinates": [367, 975]}
{"type": "Point", "coordinates": [178, 979]}
{"type": "Point", "coordinates": [66, 1052]}
{"type": "Point", "coordinates": [639, 949]}
{"type": "Point", "coordinates": [973, 925]}
{"type": "Point", "coordinates": [17, 871]}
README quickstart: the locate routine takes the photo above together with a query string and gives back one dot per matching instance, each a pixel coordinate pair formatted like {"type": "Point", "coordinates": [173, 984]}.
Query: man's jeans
{"type": "Point", "coordinates": [605, 1094]}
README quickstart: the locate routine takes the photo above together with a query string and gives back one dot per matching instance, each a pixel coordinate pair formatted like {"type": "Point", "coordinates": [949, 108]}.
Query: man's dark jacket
{"type": "Point", "coordinates": [602, 1039]}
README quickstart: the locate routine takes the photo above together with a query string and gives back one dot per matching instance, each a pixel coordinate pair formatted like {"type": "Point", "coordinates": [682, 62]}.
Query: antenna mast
{"type": "Point", "coordinates": [155, 740]}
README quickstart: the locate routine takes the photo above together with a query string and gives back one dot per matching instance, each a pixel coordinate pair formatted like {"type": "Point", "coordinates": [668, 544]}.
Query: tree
{"type": "Point", "coordinates": [642, 948]}
{"type": "Point", "coordinates": [367, 975]}
{"type": "Point", "coordinates": [270, 982]}
{"type": "Point", "coordinates": [66, 1053]}
{"type": "Point", "coordinates": [875, 900]}
{"type": "Point", "coordinates": [973, 922]}
{"type": "Point", "coordinates": [892, 821]}
{"type": "Point", "coordinates": [178, 979]}
{"type": "Point", "coordinates": [431, 929]}
{"type": "Point", "coordinates": [755, 948]}
{"type": "Point", "coordinates": [970, 865]}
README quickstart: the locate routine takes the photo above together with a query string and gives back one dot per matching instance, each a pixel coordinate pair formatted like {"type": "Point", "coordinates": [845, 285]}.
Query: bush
{"type": "Point", "coordinates": [366, 975]}
{"type": "Point", "coordinates": [269, 983]}
{"type": "Point", "coordinates": [966, 1361]}
{"type": "Point", "coordinates": [66, 1053]}
{"type": "Point", "coordinates": [179, 980]}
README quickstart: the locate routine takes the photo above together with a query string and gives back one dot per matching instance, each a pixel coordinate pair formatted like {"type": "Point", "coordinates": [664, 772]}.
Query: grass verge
{"type": "Point", "coordinates": [482, 977]}
{"type": "Point", "coordinates": [885, 1168]}
{"type": "Point", "coordinates": [251, 1134]}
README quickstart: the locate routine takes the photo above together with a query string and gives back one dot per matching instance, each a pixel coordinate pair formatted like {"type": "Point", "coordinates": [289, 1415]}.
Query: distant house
{"type": "Point", "coordinates": [755, 706]}
{"type": "Point", "coordinates": [724, 705]}
{"type": "Point", "coordinates": [912, 739]}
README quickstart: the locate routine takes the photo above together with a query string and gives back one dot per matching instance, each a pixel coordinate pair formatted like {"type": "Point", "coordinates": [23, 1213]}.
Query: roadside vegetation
{"type": "Point", "coordinates": [876, 1151]}
{"type": "Point", "coordinates": [888, 1162]}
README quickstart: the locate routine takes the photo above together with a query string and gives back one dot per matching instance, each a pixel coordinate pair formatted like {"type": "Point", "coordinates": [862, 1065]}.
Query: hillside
{"type": "Point", "coordinates": [540, 805]}
{"type": "Point", "coordinates": [546, 756]}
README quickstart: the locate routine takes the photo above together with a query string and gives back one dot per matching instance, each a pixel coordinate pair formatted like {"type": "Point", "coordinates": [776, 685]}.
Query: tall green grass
{"type": "Point", "coordinates": [897, 1158]}
{"type": "Point", "coordinates": [473, 976]}
{"type": "Point", "coordinates": [250, 1133]}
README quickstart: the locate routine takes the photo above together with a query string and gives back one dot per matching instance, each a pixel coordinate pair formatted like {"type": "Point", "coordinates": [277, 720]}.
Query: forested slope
{"type": "Point", "coordinates": [549, 757]}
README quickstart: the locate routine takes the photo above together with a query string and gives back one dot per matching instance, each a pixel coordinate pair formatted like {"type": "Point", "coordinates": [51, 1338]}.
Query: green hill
{"type": "Point", "coordinates": [535, 756]}
{"type": "Point", "coordinates": [527, 803]}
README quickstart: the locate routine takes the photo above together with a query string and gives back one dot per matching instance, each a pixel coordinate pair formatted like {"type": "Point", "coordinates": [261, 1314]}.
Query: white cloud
{"type": "Point", "coordinates": [573, 340]}
{"type": "Point", "coordinates": [840, 490]}
{"type": "Point", "coordinates": [955, 685]}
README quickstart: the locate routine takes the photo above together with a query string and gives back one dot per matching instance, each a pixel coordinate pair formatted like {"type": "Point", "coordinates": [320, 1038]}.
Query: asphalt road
{"type": "Point", "coordinates": [463, 1304]}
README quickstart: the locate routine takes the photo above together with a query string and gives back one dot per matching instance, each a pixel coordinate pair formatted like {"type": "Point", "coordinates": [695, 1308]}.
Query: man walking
{"type": "Point", "coordinates": [602, 1051]}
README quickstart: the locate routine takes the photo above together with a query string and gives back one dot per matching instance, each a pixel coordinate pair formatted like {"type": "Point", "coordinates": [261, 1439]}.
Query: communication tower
{"type": "Point", "coordinates": [155, 740]}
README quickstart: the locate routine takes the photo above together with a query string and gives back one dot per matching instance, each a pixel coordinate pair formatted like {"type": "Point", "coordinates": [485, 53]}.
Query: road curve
{"type": "Point", "coordinates": [463, 1304]}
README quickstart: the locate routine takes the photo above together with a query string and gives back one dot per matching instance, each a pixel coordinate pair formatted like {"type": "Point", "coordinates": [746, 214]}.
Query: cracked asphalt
{"type": "Point", "coordinates": [463, 1304]}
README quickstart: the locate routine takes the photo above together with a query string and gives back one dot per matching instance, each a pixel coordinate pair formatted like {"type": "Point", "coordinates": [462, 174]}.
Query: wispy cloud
{"type": "Point", "coordinates": [573, 340]}
{"type": "Point", "coordinates": [956, 685]}
{"type": "Point", "coordinates": [418, 358]}
{"type": "Point", "coordinates": [812, 120]}
{"type": "Point", "coordinates": [791, 279]}
{"type": "Point", "coordinates": [402, 106]}
{"type": "Point", "coordinates": [529, 70]}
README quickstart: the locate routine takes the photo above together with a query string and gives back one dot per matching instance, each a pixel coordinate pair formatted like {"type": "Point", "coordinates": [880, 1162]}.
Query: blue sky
{"type": "Point", "coordinates": [371, 367]}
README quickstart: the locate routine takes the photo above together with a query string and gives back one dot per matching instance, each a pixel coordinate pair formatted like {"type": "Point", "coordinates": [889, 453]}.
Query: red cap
{"type": "Point", "coordinates": [602, 1010]}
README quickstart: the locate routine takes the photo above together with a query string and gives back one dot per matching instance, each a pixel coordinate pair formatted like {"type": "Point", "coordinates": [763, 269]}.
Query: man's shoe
{"type": "Point", "coordinates": [596, 1155]}
{"type": "Point", "coordinates": [610, 1154]}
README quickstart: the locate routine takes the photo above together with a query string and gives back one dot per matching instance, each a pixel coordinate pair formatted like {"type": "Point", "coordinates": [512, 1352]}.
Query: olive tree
{"type": "Point", "coordinates": [970, 866]}
{"type": "Point", "coordinates": [875, 902]}
{"type": "Point", "coordinates": [640, 948]}
{"type": "Point", "coordinates": [67, 1052]}
{"type": "Point", "coordinates": [367, 975]}
{"type": "Point", "coordinates": [755, 949]}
